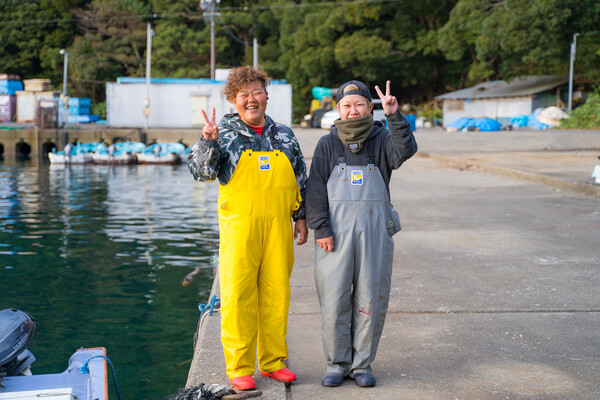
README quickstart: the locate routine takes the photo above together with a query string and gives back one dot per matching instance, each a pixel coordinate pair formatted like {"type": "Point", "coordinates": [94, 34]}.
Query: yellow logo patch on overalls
{"type": "Point", "coordinates": [357, 177]}
{"type": "Point", "coordinates": [264, 163]}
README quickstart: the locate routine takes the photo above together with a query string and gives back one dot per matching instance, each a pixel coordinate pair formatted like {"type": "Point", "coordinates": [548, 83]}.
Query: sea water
{"type": "Point", "coordinates": [97, 255]}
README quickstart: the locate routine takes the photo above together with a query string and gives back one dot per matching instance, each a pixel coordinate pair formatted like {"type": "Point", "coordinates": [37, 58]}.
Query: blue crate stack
{"type": "Point", "coordinates": [10, 86]}
{"type": "Point", "coordinates": [78, 109]}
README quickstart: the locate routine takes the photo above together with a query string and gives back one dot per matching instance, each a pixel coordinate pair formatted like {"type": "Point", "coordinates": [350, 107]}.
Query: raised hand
{"type": "Point", "coordinates": [389, 102]}
{"type": "Point", "coordinates": [210, 130]}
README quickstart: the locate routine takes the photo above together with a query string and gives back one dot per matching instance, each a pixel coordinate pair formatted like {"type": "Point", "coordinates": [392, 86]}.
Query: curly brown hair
{"type": "Point", "coordinates": [242, 76]}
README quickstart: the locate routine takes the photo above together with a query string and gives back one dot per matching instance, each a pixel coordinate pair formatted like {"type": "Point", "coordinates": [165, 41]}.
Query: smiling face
{"type": "Point", "coordinates": [353, 106]}
{"type": "Point", "coordinates": [251, 102]}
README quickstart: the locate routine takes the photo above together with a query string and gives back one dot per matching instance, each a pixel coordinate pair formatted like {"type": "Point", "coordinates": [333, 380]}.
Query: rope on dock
{"type": "Point", "coordinates": [213, 306]}
{"type": "Point", "coordinates": [202, 392]}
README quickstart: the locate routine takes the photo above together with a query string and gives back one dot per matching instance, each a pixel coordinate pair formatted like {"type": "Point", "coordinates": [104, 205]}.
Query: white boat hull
{"type": "Point", "coordinates": [108, 159]}
{"type": "Point", "coordinates": [83, 158]}
{"type": "Point", "coordinates": [152, 159]}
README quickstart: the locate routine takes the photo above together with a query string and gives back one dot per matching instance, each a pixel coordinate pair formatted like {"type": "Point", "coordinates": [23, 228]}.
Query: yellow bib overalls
{"type": "Point", "coordinates": [256, 256]}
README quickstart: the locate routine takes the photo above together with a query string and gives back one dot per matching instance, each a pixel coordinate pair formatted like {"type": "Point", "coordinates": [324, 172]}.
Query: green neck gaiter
{"type": "Point", "coordinates": [353, 132]}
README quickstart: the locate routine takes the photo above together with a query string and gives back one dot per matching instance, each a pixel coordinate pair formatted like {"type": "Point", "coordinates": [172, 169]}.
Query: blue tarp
{"type": "Point", "coordinates": [529, 121]}
{"type": "Point", "coordinates": [481, 124]}
{"type": "Point", "coordinates": [460, 123]}
{"type": "Point", "coordinates": [123, 148]}
{"type": "Point", "coordinates": [165, 148]}
{"type": "Point", "coordinates": [519, 121]}
{"type": "Point", "coordinates": [320, 92]}
{"type": "Point", "coordinates": [484, 124]}
{"type": "Point", "coordinates": [82, 119]}
{"type": "Point", "coordinates": [534, 123]}
{"type": "Point", "coordinates": [412, 119]}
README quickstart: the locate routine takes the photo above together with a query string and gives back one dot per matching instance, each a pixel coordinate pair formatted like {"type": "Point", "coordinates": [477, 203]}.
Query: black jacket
{"type": "Point", "coordinates": [392, 148]}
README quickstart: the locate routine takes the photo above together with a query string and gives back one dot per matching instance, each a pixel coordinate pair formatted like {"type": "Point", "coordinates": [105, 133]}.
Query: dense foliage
{"type": "Point", "coordinates": [586, 116]}
{"type": "Point", "coordinates": [424, 48]}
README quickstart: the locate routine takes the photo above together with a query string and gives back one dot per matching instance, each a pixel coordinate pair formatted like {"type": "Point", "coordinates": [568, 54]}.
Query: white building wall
{"type": "Point", "coordinates": [508, 108]}
{"type": "Point", "coordinates": [451, 116]}
{"type": "Point", "coordinates": [491, 108]}
{"type": "Point", "coordinates": [172, 104]}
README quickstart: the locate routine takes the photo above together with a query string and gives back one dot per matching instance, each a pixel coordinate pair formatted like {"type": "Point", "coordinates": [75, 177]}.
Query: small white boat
{"type": "Point", "coordinates": [73, 383]}
{"type": "Point", "coordinates": [84, 378]}
{"type": "Point", "coordinates": [80, 153]}
{"type": "Point", "coordinates": [162, 153]}
{"type": "Point", "coordinates": [118, 153]}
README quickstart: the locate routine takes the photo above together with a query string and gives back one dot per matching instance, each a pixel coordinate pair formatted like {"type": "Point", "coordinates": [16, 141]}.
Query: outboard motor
{"type": "Point", "coordinates": [17, 328]}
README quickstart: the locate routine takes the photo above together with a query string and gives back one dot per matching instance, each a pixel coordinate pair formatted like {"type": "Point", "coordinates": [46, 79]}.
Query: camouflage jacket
{"type": "Point", "coordinates": [212, 159]}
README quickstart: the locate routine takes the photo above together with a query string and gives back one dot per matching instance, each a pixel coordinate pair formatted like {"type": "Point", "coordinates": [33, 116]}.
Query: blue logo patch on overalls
{"type": "Point", "coordinates": [357, 177]}
{"type": "Point", "coordinates": [264, 162]}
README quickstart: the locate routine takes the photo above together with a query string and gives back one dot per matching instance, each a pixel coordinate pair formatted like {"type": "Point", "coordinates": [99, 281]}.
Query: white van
{"type": "Point", "coordinates": [378, 113]}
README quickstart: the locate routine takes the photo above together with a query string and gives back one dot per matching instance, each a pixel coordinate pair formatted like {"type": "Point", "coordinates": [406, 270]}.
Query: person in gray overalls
{"type": "Point", "coordinates": [348, 207]}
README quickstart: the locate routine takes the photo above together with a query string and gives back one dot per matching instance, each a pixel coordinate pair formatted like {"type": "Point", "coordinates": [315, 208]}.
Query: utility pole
{"type": "Point", "coordinates": [65, 53]}
{"type": "Point", "coordinates": [255, 53]}
{"type": "Point", "coordinates": [571, 61]}
{"type": "Point", "coordinates": [211, 11]}
{"type": "Point", "coordinates": [149, 34]}
{"type": "Point", "coordinates": [65, 99]}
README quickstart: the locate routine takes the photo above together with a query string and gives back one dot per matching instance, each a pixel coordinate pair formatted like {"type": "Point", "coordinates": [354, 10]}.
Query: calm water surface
{"type": "Point", "coordinates": [97, 255]}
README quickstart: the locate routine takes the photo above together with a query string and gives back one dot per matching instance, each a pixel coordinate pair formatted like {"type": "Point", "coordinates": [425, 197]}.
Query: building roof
{"type": "Point", "coordinates": [184, 81]}
{"type": "Point", "coordinates": [524, 86]}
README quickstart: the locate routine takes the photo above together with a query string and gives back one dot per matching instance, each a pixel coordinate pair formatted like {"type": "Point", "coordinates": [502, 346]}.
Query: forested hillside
{"type": "Point", "coordinates": [424, 47]}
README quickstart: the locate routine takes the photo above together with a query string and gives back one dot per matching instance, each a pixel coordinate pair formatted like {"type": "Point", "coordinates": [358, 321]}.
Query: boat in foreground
{"type": "Point", "coordinates": [69, 384]}
{"type": "Point", "coordinates": [84, 378]}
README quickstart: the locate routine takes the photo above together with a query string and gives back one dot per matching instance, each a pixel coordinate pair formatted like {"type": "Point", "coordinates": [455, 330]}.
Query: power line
{"type": "Point", "coordinates": [237, 39]}
{"type": "Point", "coordinates": [94, 81]}
{"type": "Point", "coordinates": [196, 14]}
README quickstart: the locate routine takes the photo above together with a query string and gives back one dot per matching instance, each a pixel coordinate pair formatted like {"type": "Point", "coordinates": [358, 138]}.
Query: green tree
{"type": "Point", "coordinates": [111, 42]}
{"type": "Point", "coordinates": [327, 44]}
{"type": "Point", "coordinates": [32, 34]}
{"type": "Point", "coordinates": [503, 39]}
{"type": "Point", "coordinates": [181, 45]}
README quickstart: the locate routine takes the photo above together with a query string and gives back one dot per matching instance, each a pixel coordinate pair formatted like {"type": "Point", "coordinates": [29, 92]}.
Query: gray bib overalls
{"type": "Point", "coordinates": [353, 281]}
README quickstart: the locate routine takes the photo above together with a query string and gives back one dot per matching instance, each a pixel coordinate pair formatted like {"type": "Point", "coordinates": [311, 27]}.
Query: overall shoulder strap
{"type": "Point", "coordinates": [371, 151]}
{"type": "Point", "coordinates": [340, 150]}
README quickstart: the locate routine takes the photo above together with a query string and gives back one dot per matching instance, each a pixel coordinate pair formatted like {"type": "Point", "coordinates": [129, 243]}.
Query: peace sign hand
{"type": "Point", "coordinates": [389, 102]}
{"type": "Point", "coordinates": [210, 130]}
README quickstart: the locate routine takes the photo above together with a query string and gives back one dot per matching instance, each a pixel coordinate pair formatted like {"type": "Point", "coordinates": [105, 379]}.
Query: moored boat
{"type": "Point", "coordinates": [80, 153]}
{"type": "Point", "coordinates": [118, 153]}
{"type": "Point", "coordinates": [73, 383]}
{"type": "Point", "coordinates": [162, 153]}
{"type": "Point", "coordinates": [84, 378]}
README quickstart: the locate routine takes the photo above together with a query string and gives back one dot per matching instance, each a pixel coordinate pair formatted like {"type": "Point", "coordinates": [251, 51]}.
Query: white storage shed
{"type": "Point", "coordinates": [502, 100]}
{"type": "Point", "coordinates": [177, 103]}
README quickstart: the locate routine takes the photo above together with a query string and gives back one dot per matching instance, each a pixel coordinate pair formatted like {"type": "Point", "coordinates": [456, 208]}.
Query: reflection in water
{"type": "Point", "coordinates": [97, 255]}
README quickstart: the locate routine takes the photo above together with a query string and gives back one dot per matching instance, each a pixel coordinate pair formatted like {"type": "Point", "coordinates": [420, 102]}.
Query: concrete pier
{"type": "Point", "coordinates": [495, 286]}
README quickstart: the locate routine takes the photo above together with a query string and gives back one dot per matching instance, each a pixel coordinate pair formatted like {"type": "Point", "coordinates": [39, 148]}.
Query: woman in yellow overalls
{"type": "Point", "coordinates": [262, 178]}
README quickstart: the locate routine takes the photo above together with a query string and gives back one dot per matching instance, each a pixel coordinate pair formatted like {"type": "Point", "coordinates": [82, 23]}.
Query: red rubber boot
{"type": "Point", "coordinates": [243, 382]}
{"type": "Point", "coordinates": [281, 375]}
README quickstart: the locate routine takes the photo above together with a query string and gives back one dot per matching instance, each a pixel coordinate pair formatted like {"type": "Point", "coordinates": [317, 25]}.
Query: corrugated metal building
{"type": "Point", "coordinates": [501, 100]}
{"type": "Point", "coordinates": [177, 103]}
